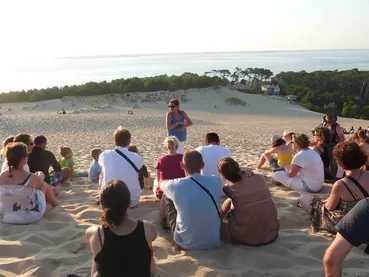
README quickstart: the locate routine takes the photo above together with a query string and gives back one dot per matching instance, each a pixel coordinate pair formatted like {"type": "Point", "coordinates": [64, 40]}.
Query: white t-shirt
{"type": "Point", "coordinates": [312, 168]}
{"type": "Point", "coordinates": [5, 167]}
{"type": "Point", "coordinates": [115, 166]}
{"type": "Point", "coordinates": [211, 154]}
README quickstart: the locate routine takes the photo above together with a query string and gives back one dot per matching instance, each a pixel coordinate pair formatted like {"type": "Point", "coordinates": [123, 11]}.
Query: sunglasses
{"type": "Point", "coordinates": [172, 106]}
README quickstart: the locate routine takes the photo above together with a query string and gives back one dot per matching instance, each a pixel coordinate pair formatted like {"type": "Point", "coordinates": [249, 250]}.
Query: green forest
{"type": "Point", "coordinates": [345, 93]}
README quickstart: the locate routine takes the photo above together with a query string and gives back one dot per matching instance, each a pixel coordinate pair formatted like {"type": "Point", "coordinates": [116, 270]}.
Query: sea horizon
{"type": "Point", "coordinates": [41, 73]}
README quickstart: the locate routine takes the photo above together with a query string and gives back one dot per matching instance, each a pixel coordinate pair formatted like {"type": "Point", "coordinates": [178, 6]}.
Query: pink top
{"type": "Point", "coordinates": [169, 167]}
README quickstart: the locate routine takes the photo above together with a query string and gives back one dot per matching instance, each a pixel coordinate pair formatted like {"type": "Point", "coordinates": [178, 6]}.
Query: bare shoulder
{"type": "Point", "coordinates": [91, 231]}
{"type": "Point", "coordinates": [149, 225]}
{"type": "Point", "coordinates": [150, 231]}
{"type": "Point", "coordinates": [338, 186]}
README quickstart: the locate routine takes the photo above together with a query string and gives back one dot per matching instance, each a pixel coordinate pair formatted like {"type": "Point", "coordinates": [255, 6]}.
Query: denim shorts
{"type": "Point", "coordinates": [274, 163]}
{"type": "Point", "coordinates": [55, 178]}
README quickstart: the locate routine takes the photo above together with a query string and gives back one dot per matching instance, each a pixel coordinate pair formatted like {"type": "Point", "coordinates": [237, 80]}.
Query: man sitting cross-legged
{"type": "Point", "coordinates": [41, 159]}
{"type": "Point", "coordinates": [192, 206]}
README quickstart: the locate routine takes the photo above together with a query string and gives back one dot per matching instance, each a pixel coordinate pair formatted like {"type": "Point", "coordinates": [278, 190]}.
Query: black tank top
{"type": "Point", "coordinates": [128, 256]}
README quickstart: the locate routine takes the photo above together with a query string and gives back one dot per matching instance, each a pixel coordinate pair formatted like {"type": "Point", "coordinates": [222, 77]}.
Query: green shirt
{"type": "Point", "coordinates": [67, 163]}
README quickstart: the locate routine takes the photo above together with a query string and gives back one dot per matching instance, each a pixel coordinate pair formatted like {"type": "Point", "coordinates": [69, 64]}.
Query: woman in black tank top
{"type": "Point", "coordinates": [120, 246]}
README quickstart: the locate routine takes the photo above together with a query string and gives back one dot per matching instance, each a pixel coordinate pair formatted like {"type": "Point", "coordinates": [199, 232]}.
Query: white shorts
{"type": "Point", "coordinates": [181, 147]}
{"type": "Point", "coordinates": [27, 217]}
{"type": "Point", "coordinates": [295, 183]}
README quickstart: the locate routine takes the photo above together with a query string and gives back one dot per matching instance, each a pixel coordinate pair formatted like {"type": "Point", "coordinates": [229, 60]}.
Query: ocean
{"type": "Point", "coordinates": [42, 73]}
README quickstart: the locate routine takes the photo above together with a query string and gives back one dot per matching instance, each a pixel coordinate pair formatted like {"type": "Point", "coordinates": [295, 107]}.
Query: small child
{"type": "Point", "coordinates": [95, 168]}
{"type": "Point", "coordinates": [68, 161]}
{"type": "Point", "coordinates": [143, 171]}
{"type": "Point", "coordinates": [279, 155]}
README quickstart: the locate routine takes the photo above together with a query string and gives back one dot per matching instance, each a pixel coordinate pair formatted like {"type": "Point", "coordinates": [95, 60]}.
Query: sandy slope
{"type": "Point", "coordinates": [56, 245]}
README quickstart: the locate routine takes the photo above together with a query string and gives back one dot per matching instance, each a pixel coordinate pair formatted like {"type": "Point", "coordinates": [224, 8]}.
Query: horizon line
{"type": "Point", "coordinates": [97, 56]}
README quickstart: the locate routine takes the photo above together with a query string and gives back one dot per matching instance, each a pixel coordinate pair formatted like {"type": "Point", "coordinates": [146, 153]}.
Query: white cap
{"type": "Point", "coordinates": [286, 132]}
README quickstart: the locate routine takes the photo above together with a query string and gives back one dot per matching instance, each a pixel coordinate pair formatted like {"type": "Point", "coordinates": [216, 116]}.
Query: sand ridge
{"type": "Point", "coordinates": [56, 246]}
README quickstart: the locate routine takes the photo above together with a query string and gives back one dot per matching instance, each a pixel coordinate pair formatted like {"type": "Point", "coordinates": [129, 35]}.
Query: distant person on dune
{"type": "Point", "coordinates": [177, 122]}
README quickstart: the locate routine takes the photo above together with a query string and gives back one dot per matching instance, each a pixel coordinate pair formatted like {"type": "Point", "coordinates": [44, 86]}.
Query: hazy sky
{"type": "Point", "coordinates": [77, 27]}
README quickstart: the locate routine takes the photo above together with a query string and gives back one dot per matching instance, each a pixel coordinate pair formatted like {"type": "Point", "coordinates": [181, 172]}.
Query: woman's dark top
{"type": "Point", "coordinates": [128, 256]}
{"type": "Point", "coordinates": [329, 172]}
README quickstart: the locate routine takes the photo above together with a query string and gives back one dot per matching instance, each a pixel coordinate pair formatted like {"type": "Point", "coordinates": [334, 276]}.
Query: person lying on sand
{"type": "Point", "coordinates": [252, 218]}
{"type": "Point", "coordinates": [120, 246]}
{"type": "Point", "coordinates": [279, 155]}
{"type": "Point", "coordinates": [17, 156]}
{"type": "Point", "coordinates": [192, 206]}
{"type": "Point", "coordinates": [346, 192]}
{"type": "Point", "coordinates": [352, 230]}
{"type": "Point", "coordinates": [306, 172]}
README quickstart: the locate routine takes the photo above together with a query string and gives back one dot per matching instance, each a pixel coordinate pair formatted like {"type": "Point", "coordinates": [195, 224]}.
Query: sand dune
{"type": "Point", "coordinates": [56, 246]}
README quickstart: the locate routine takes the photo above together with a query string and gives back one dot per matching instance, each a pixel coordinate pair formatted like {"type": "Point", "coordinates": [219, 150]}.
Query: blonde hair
{"type": "Point", "coordinates": [171, 143]}
{"type": "Point", "coordinates": [63, 151]}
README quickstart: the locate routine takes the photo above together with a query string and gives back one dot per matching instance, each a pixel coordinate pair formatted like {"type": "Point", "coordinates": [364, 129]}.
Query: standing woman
{"type": "Point", "coordinates": [177, 123]}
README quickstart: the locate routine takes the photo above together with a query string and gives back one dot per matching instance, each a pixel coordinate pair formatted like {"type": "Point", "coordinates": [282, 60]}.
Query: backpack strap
{"type": "Point", "coordinates": [359, 186]}
{"type": "Point", "coordinates": [211, 196]}
{"type": "Point", "coordinates": [127, 159]}
{"type": "Point", "coordinates": [25, 182]}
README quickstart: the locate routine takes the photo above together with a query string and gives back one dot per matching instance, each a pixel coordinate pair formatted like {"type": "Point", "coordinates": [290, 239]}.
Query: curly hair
{"type": "Point", "coordinates": [349, 155]}
{"type": "Point", "coordinates": [115, 200]}
{"type": "Point", "coordinates": [323, 133]}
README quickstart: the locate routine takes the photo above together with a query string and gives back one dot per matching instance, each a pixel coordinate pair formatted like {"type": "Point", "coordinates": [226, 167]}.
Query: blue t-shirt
{"type": "Point", "coordinates": [95, 169]}
{"type": "Point", "coordinates": [180, 135]}
{"type": "Point", "coordinates": [198, 224]}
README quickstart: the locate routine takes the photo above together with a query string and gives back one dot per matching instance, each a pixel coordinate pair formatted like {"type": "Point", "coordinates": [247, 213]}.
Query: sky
{"type": "Point", "coordinates": [61, 28]}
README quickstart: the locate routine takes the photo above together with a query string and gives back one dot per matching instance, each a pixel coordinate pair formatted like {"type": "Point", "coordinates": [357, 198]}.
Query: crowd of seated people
{"type": "Point", "coordinates": [190, 187]}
